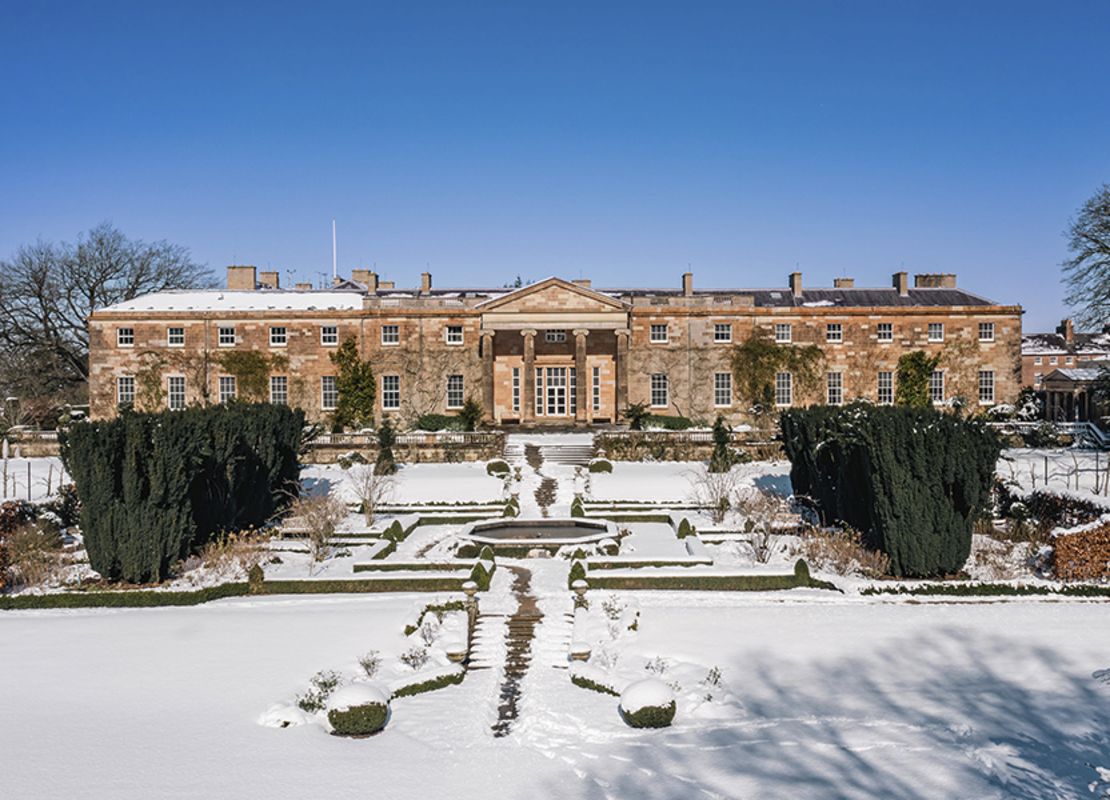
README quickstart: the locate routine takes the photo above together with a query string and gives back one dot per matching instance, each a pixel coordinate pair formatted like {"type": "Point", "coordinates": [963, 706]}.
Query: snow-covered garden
{"type": "Point", "coordinates": [813, 682]}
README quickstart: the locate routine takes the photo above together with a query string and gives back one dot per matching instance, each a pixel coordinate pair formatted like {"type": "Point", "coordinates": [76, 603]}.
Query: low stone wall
{"type": "Point", "coordinates": [33, 444]}
{"type": "Point", "coordinates": [411, 448]}
{"type": "Point", "coordinates": [1083, 554]}
{"type": "Point", "coordinates": [678, 445]}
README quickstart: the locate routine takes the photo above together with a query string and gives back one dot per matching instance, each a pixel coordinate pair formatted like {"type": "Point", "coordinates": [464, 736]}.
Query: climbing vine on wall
{"type": "Point", "coordinates": [757, 360]}
{"type": "Point", "coordinates": [914, 370]}
{"type": "Point", "coordinates": [251, 371]}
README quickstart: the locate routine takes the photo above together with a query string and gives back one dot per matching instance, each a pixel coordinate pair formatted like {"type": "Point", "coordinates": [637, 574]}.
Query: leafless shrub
{"type": "Point", "coordinates": [657, 666]}
{"type": "Point", "coordinates": [34, 554]}
{"type": "Point", "coordinates": [415, 657]}
{"type": "Point", "coordinates": [428, 632]}
{"type": "Point", "coordinates": [842, 552]}
{"type": "Point", "coordinates": [318, 516]}
{"type": "Point", "coordinates": [766, 517]}
{"type": "Point", "coordinates": [233, 553]}
{"type": "Point", "coordinates": [714, 490]}
{"type": "Point", "coordinates": [372, 489]}
{"type": "Point", "coordinates": [370, 663]}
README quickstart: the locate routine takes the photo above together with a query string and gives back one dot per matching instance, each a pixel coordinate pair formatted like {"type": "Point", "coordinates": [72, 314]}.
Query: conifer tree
{"type": "Point", "coordinates": [356, 386]}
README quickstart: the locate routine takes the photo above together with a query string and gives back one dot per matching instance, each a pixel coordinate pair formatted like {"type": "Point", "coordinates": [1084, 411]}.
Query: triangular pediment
{"type": "Point", "coordinates": [553, 295]}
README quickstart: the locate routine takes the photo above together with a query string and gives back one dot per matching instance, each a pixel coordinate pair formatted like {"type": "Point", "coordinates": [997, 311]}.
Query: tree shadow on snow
{"type": "Point", "coordinates": [928, 717]}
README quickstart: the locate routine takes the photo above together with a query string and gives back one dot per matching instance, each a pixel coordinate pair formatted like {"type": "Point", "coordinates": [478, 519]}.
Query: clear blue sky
{"type": "Point", "coordinates": [620, 143]}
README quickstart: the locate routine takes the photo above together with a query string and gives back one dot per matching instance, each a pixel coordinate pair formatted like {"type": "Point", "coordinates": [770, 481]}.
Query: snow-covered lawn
{"type": "Point", "coordinates": [676, 481]}
{"type": "Point", "coordinates": [836, 698]}
{"type": "Point", "coordinates": [44, 474]}
{"type": "Point", "coordinates": [413, 483]}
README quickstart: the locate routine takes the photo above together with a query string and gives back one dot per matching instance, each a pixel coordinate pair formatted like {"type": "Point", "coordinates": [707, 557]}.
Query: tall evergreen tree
{"type": "Point", "coordinates": [356, 386]}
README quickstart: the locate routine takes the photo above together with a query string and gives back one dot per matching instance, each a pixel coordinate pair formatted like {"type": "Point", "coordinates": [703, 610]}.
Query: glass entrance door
{"type": "Point", "coordinates": [556, 390]}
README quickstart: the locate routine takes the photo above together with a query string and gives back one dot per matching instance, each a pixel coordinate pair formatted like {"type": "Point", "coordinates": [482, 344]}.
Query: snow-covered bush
{"type": "Point", "coordinates": [358, 710]}
{"type": "Point", "coordinates": [316, 698]}
{"type": "Point", "coordinates": [497, 467]}
{"type": "Point", "coordinates": [577, 573]}
{"type": "Point", "coordinates": [415, 657]}
{"type": "Point", "coordinates": [648, 703]}
{"type": "Point", "coordinates": [370, 663]}
{"type": "Point", "coordinates": [841, 552]}
{"type": "Point", "coordinates": [601, 465]}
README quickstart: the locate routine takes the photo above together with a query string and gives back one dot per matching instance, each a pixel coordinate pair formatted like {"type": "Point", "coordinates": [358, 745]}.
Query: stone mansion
{"type": "Point", "coordinates": [553, 352]}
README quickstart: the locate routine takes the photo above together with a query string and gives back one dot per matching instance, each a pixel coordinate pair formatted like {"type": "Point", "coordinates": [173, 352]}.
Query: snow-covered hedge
{"type": "Point", "coordinates": [359, 709]}
{"type": "Point", "coordinates": [648, 703]}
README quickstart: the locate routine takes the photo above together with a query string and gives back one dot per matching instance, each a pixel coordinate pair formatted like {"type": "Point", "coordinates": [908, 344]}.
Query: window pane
{"type": "Point", "coordinates": [784, 389]}
{"type": "Point", "coordinates": [227, 388]}
{"type": "Point", "coordinates": [329, 334]}
{"type": "Point", "coordinates": [936, 386]}
{"type": "Point", "coordinates": [784, 332]}
{"type": "Point", "coordinates": [329, 393]}
{"type": "Point", "coordinates": [278, 337]}
{"type": "Point", "coordinates": [454, 391]}
{"type": "Point", "coordinates": [390, 334]}
{"type": "Point", "coordinates": [722, 332]}
{"type": "Point", "coordinates": [659, 394]}
{"type": "Point", "coordinates": [722, 389]}
{"type": "Point", "coordinates": [834, 388]}
{"type": "Point", "coordinates": [125, 389]}
{"type": "Point", "coordinates": [279, 389]}
{"type": "Point", "coordinates": [886, 388]}
{"type": "Point", "coordinates": [175, 399]}
{"type": "Point", "coordinates": [391, 391]}
{"type": "Point", "coordinates": [227, 337]}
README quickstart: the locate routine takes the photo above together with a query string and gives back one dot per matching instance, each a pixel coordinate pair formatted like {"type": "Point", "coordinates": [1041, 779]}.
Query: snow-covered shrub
{"type": "Point", "coordinates": [323, 684]}
{"type": "Point", "coordinates": [370, 663]}
{"type": "Point", "coordinates": [481, 575]}
{"type": "Point", "coordinates": [608, 547]}
{"type": "Point", "coordinates": [841, 552]}
{"type": "Point", "coordinates": [415, 657]}
{"type": "Point", "coordinates": [358, 710]}
{"type": "Point", "coordinates": [685, 528]}
{"type": "Point", "coordinates": [601, 465]}
{"type": "Point", "coordinates": [613, 607]}
{"type": "Point", "coordinates": [576, 507]}
{"type": "Point", "coordinates": [349, 459]}
{"type": "Point", "coordinates": [497, 467]}
{"type": "Point", "coordinates": [657, 665]}
{"type": "Point", "coordinates": [577, 573]}
{"type": "Point", "coordinates": [428, 632]}
{"type": "Point", "coordinates": [648, 703]}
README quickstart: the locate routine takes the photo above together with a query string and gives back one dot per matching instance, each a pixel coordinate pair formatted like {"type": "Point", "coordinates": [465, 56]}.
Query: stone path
{"type": "Point", "coordinates": [522, 627]}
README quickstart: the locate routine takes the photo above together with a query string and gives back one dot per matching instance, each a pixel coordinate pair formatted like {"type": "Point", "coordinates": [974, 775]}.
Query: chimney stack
{"type": "Point", "coordinates": [687, 284]}
{"type": "Point", "coordinates": [241, 279]}
{"type": "Point", "coordinates": [271, 280]}
{"type": "Point", "coordinates": [303, 287]}
{"type": "Point", "coordinates": [844, 283]}
{"type": "Point", "coordinates": [1067, 330]}
{"type": "Point", "coordinates": [935, 280]}
{"type": "Point", "coordinates": [796, 284]}
{"type": "Point", "coordinates": [366, 277]}
{"type": "Point", "coordinates": [425, 282]}
{"type": "Point", "coordinates": [583, 282]}
{"type": "Point", "coordinates": [902, 283]}
{"type": "Point", "coordinates": [386, 285]}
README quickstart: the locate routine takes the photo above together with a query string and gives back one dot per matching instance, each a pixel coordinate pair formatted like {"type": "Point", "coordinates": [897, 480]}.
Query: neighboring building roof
{"type": "Point", "coordinates": [1033, 344]}
{"type": "Point", "coordinates": [258, 300]}
{"type": "Point", "coordinates": [1074, 374]}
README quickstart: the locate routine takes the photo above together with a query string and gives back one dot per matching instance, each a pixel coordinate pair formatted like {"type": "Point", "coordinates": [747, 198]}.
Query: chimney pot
{"type": "Point", "coordinates": [687, 284]}
{"type": "Point", "coordinates": [844, 283]}
{"type": "Point", "coordinates": [271, 280]}
{"type": "Point", "coordinates": [902, 283]}
{"type": "Point", "coordinates": [241, 278]}
{"type": "Point", "coordinates": [366, 277]}
{"type": "Point", "coordinates": [796, 284]}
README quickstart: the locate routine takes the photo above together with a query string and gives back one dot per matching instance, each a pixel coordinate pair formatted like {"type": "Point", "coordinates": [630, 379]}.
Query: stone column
{"type": "Point", "coordinates": [528, 407]}
{"type": "Point", "coordinates": [487, 376]}
{"type": "Point", "coordinates": [582, 380]}
{"type": "Point", "coordinates": [623, 337]}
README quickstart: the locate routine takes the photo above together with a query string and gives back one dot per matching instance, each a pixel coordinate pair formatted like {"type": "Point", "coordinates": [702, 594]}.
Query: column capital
{"type": "Point", "coordinates": [528, 332]}
{"type": "Point", "coordinates": [486, 332]}
{"type": "Point", "coordinates": [580, 332]}
{"type": "Point", "coordinates": [623, 331]}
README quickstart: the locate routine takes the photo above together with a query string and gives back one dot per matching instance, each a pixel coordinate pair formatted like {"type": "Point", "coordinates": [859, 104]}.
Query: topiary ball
{"type": "Point", "coordinates": [648, 703]}
{"type": "Point", "coordinates": [360, 709]}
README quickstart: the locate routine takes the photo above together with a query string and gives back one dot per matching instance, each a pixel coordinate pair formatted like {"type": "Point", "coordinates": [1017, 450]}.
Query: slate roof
{"type": "Point", "coordinates": [1042, 343]}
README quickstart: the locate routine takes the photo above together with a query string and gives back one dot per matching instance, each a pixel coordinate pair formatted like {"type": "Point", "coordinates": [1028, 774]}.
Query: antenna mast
{"type": "Point", "coordinates": [334, 267]}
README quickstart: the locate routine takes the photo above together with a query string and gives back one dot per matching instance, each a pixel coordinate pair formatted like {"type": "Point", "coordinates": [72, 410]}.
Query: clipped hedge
{"type": "Point", "coordinates": [155, 488]}
{"type": "Point", "coordinates": [708, 583]}
{"type": "Point", "coordinates": [650, 716]}
{"type": "Point", "coordinates": [431, 685]}
{"type": "Point", "coordinates": [990, 590]}
{"type": "Point", "coordinates": [411, 566]}
{"type": "Point", "coordinates": [497, 467]}
{"type": "Point", "coordinates": [435, 608]}
{"type": "Point", "coordinates": [911, 480]}
{"type": "Point", "coordinates": [362, 720]}
{"type": "Point", "coordinates": [685, 529]}
{"type": "Point", "coordinates": [593, 686]}
{"type": "Point", "coordinates": [577, 573]}
{"type": "Point", "coordinates": [576, 507]}
{"type": "Point", "coordinates": [600, 465]}
{"type": "Point", "coordinates": [439, 422]}
{"type": "Point", "coordinates": [668, 423]}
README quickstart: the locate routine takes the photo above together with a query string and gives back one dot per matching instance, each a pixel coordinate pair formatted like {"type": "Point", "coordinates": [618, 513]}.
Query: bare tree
{"type": "Point", "coordinates": [767, 516]}
{"type": "Point", "coordinates": [48, 290]}
{"type": "Point", "coordinates": [1087, 272]}
{"type": "Point", "coordinates": [371, 488]}
{"type": "Point", "coordinates": [318, 517]}
{"type": "Point", "coordinates": [714, 490]}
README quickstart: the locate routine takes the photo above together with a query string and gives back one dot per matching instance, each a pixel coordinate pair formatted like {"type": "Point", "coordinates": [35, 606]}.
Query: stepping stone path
{"type": "Point", "coordinates": [522, 629]}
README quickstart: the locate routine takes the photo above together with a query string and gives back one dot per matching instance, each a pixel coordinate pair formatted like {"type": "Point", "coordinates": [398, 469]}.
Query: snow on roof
{"type": "Point", "coordinates": [261, 300]}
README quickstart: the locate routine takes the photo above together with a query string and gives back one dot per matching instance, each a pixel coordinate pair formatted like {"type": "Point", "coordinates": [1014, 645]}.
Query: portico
{"type": "Point", "coordinates": [552, 353]}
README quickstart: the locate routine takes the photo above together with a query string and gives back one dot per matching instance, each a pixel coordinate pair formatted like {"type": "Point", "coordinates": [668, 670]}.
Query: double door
{"type": "Point", "coordinates": [556, 392]}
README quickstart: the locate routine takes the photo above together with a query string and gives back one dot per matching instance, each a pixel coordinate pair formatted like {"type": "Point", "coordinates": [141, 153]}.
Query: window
{"type": "Point", "coordinates": [834, 388]}
{"type": "Point", "coordinates": [936, 331]}
{"type": "Point", "coordinates": [125, 390]}
{"type": "Point", "coordinates": [454, 391]}
{"type": "Point", "coordinates": [884, 332]}
{"type": "Point", "coordinates": [1068, 360]}
{"type": "Point", "coordinates": [1038, 360]}
{"type": "Point", "coordinates": [516, 389]}
{"type": "Point", "coordinates": [226, 337]}
{"type": "Point", "coordinates": [454, 334]}
{"type": "Point", "coordinates": [227, 388]}
{"type": "Point", "coordinates": [539, 391]}
{"type": "Point", "coordinates": [329, 393]}
{"type": "Point", "coordinates": [784, 332]}
{"type": "Point", "coordinates": [886, 388]}
{"type": "Point", "coordinates": [722, 389]}
{"type": "Point", "coordinates": [936, 386]}
{"type": "Point", "coordinates": [986, 387]}
{"type": "Point", "coordinates": [1053, 361]}
{"type": "Point", "coordinates": [784, 389]}
{"type": "Point", "coordinates": [278, 337]}
{"type": "Point", "coordinates": [391, 392]}
{"type": "Point", "coordinates": [175, 337]}
{"type": "Point", "coordinates": [391, 334]}
{"type": "Point", "coordinates": [125, 337]}
{"type": "Point", "coordinates": [834, 332]}
{"type": "Point", "coordinates": [1037, 378]}
{"type": "Point", "coordinates": [175, 392]}
{"type": "Point", "coordinates": [659, 394]}
{"type": "Point", "coordinates": [329, 334]}
{"type": "Point", "coordinates": [722, 332]}
{"type": "Point", "coordinates": [986, 331]}
{"type": "Point", "coordinates": [555, 337]}
{"type": "Point", "coordinates": [659, 333]}
{"type": "Point", "coordinates": [571, 373]}
{"type": "Point", "coordinates": [596, 404]}
{"type": "Point", "coordinates": [279, 389]}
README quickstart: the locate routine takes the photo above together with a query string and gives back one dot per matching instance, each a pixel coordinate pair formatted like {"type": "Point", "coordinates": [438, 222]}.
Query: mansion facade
{"type": "Point", "coordinates": [553, 352]}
